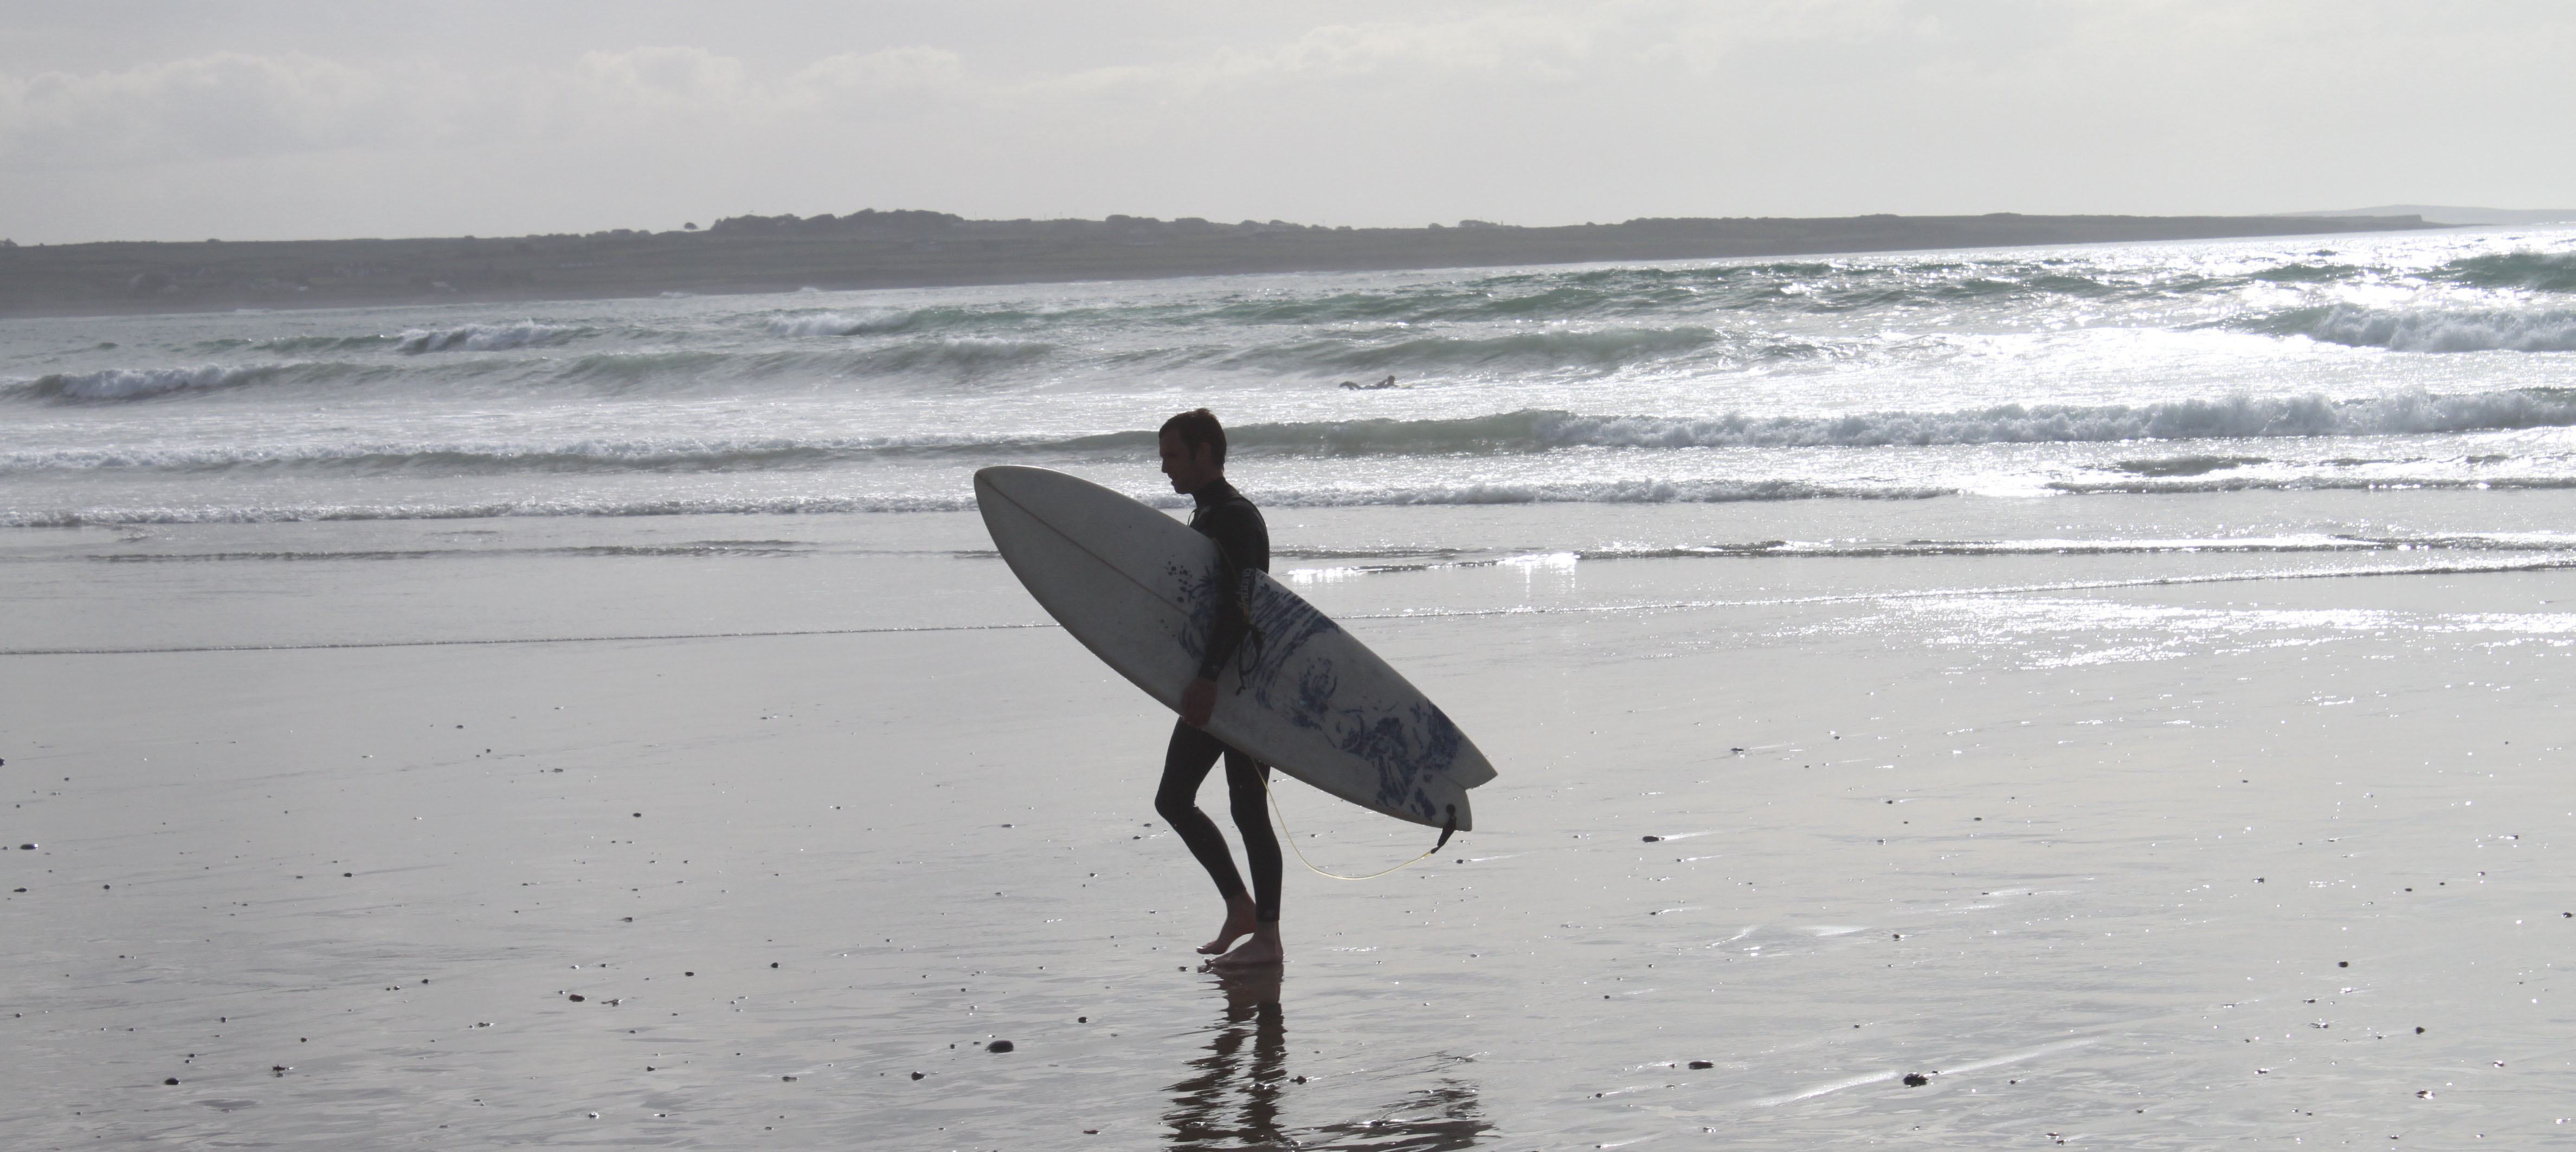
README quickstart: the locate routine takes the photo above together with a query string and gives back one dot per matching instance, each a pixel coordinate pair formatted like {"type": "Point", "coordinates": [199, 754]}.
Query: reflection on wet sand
{"type": "Point", "coordinates": [1229, 1100]}
{"type": "Point", "coordinates": [1232, 1098]}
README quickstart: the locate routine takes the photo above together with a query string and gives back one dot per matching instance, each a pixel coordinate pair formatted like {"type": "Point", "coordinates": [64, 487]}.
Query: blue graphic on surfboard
{"type": "Point", "coordinates": [1139, 589]}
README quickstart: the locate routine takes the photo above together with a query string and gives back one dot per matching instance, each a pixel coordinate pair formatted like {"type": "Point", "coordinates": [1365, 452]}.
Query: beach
{"type": "Point", "coordinates": [1942, 705]}
{"type": "Point", "coordinates": [2141, 864]}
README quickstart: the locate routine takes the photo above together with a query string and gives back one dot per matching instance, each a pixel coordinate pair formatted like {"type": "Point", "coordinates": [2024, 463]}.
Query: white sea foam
{"type": "Point", "coordinates": [483, 337]}
{"type": "Point", "coordinates": [2449, 329]}
{"type": "Point", "coordinates": [492, 457]}
{"type": "Point", "coordinates": [2239, 417]}
{"type": "Point", "coordinates": [838, 323]}
{"type": "Point", "coordinates": [133, 383]}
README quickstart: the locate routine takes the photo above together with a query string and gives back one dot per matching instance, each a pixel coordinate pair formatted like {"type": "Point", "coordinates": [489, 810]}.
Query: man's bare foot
{"type": "Point", "coordinates": [1263, 948]}
{"type": "Point", "coordinates": [1238, 924]}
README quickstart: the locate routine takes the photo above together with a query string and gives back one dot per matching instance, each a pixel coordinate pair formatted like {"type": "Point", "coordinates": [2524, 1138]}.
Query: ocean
{"type": "Point", "coordinates": [2117, 686]}
{"type": "Point", "coordinates": [2373, 362]}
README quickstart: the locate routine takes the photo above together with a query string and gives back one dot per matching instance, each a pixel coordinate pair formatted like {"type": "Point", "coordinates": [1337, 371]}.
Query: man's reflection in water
{"type": "Point", "coordinates": [1232, 1097]}
{"type": "Point", "coordinates": [1229, 1101]}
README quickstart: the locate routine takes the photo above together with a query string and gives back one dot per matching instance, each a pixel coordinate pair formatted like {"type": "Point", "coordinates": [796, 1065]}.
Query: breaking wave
{"type": "Point", "coordinates": [138, 383]}
{"type": "Point", "coordinates": [2436, 330]}
{"type": "Point", "coordinates": [839, 324]}
{"type": "Point", "coordinates": [484, 337]}
{"type": "Point", "coordinates": [674, 456]}
{"type": "Point", "coordinates": [2234, 418]}
{"type": "Point", "coordinates": [2534, 271]}
{"type": "Point", "coordinates": [1620, 492]}
{"type": "Point", "coordinates": [1526, 431]}
{"type": "Point", "coordinates": [670, 371]}
{"type": "Point", "coordinates": [1599, 350]}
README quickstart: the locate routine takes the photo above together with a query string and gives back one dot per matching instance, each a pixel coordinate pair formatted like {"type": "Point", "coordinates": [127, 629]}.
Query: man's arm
{"type": "Point", "coordinates": [1233, 620]}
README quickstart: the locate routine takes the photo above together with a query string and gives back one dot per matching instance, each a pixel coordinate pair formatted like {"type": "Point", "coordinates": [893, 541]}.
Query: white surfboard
{"type": "Point", "coordinates": [1140, 590]}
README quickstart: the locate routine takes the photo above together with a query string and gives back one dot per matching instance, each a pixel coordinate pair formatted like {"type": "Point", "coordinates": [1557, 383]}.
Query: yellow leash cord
{"type": "Point", "coordinates": [1301, 853]}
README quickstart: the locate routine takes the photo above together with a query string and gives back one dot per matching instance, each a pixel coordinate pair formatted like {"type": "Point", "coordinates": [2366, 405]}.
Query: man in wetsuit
{"type": "Point", "coordinates": [1193, 446]}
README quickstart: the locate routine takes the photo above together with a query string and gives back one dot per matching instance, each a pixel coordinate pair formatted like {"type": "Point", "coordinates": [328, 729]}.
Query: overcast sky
{"type": "Point", "coordinates": [251, 119]}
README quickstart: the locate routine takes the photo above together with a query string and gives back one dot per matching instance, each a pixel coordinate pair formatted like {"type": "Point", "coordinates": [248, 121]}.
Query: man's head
{"type": "Point", "coordinates": [1193, 446]}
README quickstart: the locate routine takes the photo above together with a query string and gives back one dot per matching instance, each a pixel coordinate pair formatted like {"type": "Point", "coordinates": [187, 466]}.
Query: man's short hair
{"type": "Point", "coordinates": [1196, 427]}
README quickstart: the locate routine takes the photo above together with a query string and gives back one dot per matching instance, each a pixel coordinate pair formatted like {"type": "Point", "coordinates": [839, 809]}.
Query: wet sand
{"type": "Point", "coordinates": [2124, 867]}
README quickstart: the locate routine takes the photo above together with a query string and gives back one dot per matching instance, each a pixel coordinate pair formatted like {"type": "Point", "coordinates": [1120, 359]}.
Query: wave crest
{"type": "Point", "coordinates": [2439, 330]}
{"type": "Point", "coordinates": [839, 324]}
{"type": "Point", "coordinates": [1599, 350]}
{"type": "Point", "coordinates": [138, 383]}
{"type": "Point", "coordinates": [2536, 271]}
{"type": "Point", "coordinates": [2232, 418]}
{"type": "Point", "coordinates": [483, 337]}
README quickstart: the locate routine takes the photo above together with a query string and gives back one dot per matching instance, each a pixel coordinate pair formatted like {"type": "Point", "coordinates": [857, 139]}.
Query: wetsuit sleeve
{"type": "Point", "coordinates": [1239, 535]}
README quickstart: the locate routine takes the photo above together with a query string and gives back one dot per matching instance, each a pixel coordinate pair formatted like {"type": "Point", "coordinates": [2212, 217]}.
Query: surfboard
{"type": "Point", "coordinates": [1140, 590]}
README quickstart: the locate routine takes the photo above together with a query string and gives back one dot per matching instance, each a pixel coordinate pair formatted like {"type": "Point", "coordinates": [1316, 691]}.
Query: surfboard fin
{"type": "Point", "coordinates": [1448, 831]}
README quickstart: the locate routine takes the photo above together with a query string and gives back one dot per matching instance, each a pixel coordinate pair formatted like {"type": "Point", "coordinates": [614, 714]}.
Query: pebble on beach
{"type": "Point", "coordinates": [1653, 839]}
{"type": "Point", "coordinates": [1699, 1064]}
{"type": "Point", "coordinates": [999, 1046]}
{"type": "Point", "coordinates": [1916, 1079]}
{"type": "Point", "coordinates": [919, 1075]}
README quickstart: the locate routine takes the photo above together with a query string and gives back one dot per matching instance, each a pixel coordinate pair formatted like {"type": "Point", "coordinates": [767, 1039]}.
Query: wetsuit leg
{"type": "Point", "coordinates": [1185, 766]}
{"type": "Point", "coordinates": [1246, 787]}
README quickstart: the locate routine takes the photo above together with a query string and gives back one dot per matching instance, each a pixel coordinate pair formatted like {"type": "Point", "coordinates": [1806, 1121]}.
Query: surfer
{"type": "Point", "coordinates": [1193, 448]}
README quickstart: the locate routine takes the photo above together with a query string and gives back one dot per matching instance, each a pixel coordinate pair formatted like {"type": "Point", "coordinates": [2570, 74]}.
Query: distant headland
{"type": "Point", "coordinates": [914, 249]}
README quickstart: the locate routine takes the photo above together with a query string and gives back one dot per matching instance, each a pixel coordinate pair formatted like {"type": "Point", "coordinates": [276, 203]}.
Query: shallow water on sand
{"type": "Point", "coordinates": [2106, 860]}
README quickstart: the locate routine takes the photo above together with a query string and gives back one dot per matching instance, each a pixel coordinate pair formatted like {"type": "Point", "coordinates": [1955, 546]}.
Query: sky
{"type": "Point", "coordinates": [298, 119]}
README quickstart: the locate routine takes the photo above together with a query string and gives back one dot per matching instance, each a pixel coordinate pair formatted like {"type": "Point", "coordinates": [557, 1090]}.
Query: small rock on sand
{"type": "Point", "coordinates": [999, 1046]}
{"type": "Point", "coordinates": [1916, 1080]}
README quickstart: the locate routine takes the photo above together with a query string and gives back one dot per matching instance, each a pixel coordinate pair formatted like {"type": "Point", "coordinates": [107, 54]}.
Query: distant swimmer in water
{"type": "Point", "coordinates": [1389, 382]}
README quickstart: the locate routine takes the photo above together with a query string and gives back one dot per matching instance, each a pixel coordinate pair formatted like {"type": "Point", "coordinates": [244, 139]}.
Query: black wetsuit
{"type": "Point", "coordinates": [1243, 544]}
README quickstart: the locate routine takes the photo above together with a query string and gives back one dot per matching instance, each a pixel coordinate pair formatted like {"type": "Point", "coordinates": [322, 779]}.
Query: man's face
{"type": "Point", "coordinates": [1188, 470]}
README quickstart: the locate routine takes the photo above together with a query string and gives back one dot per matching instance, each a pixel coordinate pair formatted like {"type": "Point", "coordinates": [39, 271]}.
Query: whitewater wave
{"type": "Point", "coordinates": [2314, 482]}
{"type": "Point", "coordinates": [1632, 491]}
{"type": "Point", "coordinates": [1622, 491]}
{"type": "Point", "coordinates": [2437, 329]}
{"type": "Point", "coordinates": [2534, 271]}
{"type": "Point", "coordinates": [2233, 418]}
{"type": "Point", "coordinates": [319, 512]}
{"type": "Point", "coordinates": [838, 323]}
{"type": "Point", "coordinates": [484, 337]}
{"type": "Point", "coordinates": [675, 371]}
{"type": "Point", "coordinates": [138, 383]}
{"type": "Point", "coordinates": [1598, 350]}
{"type": "Point", "coordinates": [677, 456]}
{"type": "Point", "coordinates": [1521, 432]}
{"type": "Point", "coordinates": [2298, 543]}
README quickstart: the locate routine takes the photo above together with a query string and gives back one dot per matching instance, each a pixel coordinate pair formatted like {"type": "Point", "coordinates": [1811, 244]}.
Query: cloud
{"type": "Point", "coordinates": [224, 104]}
{"type": "Point", "coordinates": [1393, 114]}
{"type": "Point", "coordinates": [232, 105]}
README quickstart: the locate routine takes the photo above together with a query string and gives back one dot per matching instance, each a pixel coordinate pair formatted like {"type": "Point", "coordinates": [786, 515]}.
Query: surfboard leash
{"type": "Point", "coordinates": [1451, 829]}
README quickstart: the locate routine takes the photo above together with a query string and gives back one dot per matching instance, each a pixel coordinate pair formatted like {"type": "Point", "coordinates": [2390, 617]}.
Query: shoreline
{"type": "Point", "coordinates": [750, 255]}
